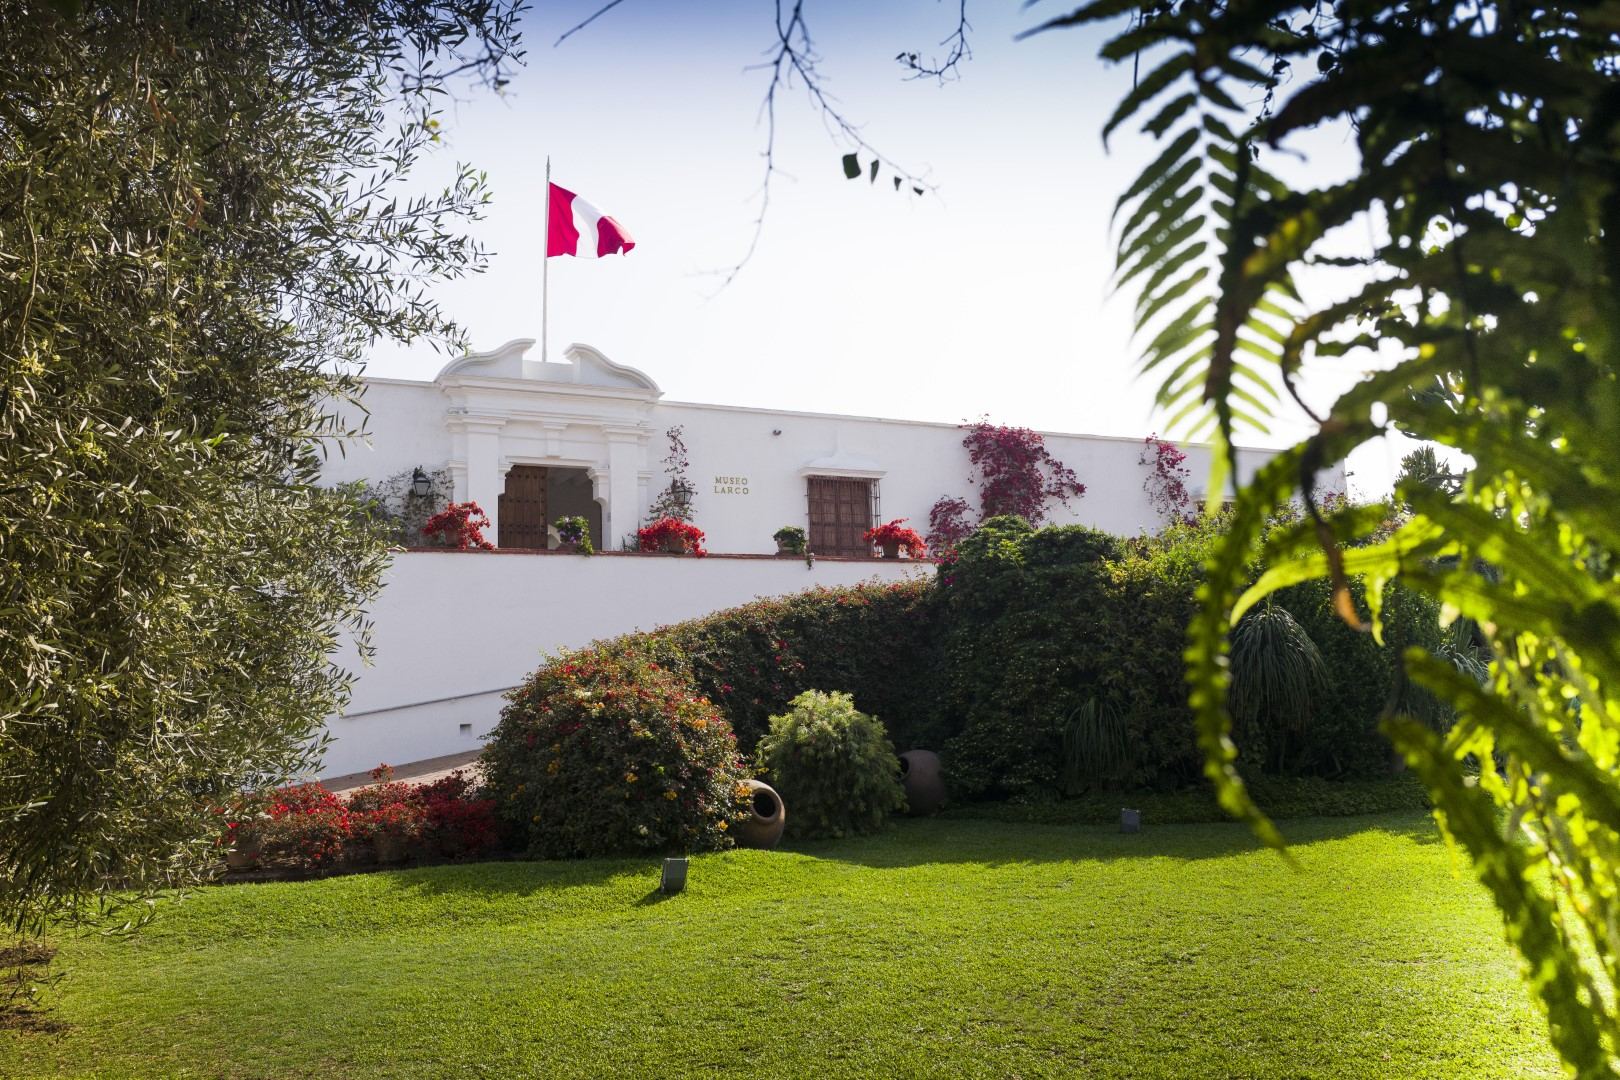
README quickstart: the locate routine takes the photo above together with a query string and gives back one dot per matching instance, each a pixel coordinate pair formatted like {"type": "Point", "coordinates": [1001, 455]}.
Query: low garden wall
{"type": "Point", "coordinates": [454, 630]}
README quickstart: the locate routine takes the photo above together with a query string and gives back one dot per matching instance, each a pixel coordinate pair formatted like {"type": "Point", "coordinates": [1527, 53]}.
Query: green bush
{"type": "Point", "coordinates": [605, 752]}
{"type": "Point", "coordinates": [833, 766]}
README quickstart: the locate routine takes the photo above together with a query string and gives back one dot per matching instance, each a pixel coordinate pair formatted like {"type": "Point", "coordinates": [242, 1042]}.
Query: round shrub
{"type": "Point", "coordinates": [604, 752]}
{"type": "Point", "coordinates": [833, 765]}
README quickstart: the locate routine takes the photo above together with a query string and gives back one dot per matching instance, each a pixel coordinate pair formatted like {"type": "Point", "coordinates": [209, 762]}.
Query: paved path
{"type": "Point", "coordinates": [417, 772]}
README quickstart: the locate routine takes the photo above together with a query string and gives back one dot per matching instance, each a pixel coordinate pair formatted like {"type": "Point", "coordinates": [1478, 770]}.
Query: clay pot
{"type": "Point", "coordinates": [763, 827]}
{"type": "Point", "coordinates": [675, 545]}
{"type": "Point", "coordinates": [891, 550]}
{"type": "Point", "coordinates": [568, 548]}
{"type": "Point", "coordinates": [241, 858]}
{"type": "Point", "coordinates": [924, 784]}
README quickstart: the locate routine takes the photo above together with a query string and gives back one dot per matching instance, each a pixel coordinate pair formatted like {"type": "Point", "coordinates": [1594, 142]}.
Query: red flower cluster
{"type": "Point", "coordinates": [459, 525]}
{"type": "Point", "coordinates": [656, 537]}
{"type": "Point", "coordinates": [307, 827]}
{"type": "Point", "coordinates": [895, 532]}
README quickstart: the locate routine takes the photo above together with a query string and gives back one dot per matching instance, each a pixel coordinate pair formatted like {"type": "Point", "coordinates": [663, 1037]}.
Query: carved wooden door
{"type": "Point", "coordinates": [523, 508]}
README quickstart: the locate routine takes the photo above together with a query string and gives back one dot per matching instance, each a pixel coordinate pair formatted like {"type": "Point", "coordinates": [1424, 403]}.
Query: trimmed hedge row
{"type": "Point", "coordinates": [1040, 663]}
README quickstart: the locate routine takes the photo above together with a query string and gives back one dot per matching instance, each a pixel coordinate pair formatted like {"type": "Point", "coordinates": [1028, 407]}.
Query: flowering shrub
{"type": "Point", "coordinates": [895, 532]}
{"type": "Point", "coordinates": [833, 765]}
{"type": "Point", "coordinates": [605, 751]}
{"type": "Point", "coordinates": [456, 818]}
{"type": "Point", "coordinates": [387, 808]}
{"type": "Point", "coordinates": [459, 525]}
{"type": "Point", "coordinates": [306, 827]}
{"type": "Point", "coordinates": [1166, 484]}
{"type": "Point", "coordinates": [655, 537]}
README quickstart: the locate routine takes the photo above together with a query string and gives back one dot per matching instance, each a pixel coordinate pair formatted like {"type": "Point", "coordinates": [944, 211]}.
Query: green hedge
{"type": "Point", "coordinates": [1279, 797]}
{"type": "Point", "coordinates": [1040, 663]}
{"type": "Point", "coordinates": [1036, 623]}
{"type": "Point", "coordinates": [873, 642]}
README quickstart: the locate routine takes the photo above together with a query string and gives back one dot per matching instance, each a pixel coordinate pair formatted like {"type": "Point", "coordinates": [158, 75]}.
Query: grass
{"type": "Point", "coordinates": [960, 948]}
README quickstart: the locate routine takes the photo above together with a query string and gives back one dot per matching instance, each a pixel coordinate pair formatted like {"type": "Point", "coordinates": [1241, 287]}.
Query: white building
{"type": "Point", "coordinates": [531, 442]}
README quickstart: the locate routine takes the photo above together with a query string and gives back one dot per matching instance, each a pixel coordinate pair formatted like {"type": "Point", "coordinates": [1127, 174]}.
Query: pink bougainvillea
{"type": "Point", "coordinates": [1015, 474]}
{"type": "Point", "coordinates": [1166, 483]}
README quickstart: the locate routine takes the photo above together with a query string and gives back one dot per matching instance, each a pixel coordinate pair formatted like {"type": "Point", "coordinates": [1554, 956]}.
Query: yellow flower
{"type": "Point", "coordinates": [629, 777]}
{"type": "Point", "coordinates": [552, 768]}
{"type": "Point", "coordinates": [669, 795]}
{"type": "Point", "coordinates": [722, 824]}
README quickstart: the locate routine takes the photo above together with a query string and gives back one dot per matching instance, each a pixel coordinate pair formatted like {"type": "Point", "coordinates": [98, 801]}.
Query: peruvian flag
{"type": "Point", "coordinates": [575, 227]}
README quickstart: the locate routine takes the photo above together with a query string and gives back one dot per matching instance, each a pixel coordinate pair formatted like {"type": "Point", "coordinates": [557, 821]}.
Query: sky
{"type": "Point", "coordinates": [990, 295]}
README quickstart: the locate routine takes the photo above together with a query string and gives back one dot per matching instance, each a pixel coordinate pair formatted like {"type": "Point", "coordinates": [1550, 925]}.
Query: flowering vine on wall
{"type": "Point", "coordinates": [1166, 483]}
{"type": "Point", "coordinates": [1015, 474]}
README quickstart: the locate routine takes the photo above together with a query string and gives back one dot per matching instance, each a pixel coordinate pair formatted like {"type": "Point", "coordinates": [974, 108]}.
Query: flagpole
{"type": "Point", "coordinates": [545, 264]}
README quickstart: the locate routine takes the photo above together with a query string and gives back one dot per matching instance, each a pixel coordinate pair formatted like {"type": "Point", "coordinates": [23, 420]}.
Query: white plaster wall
{"type": "Point", "coordinates": [406, 426]}
{"type": "Point", "coordinates": [920, 461]}
{"type": "Point", "coordinates": [545, 423]}
{"type": "Point", "coordinates": [467, 625]}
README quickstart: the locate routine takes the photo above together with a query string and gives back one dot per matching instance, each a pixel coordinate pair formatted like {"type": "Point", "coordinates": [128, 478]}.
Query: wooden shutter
{"type": "Point", "coordinates": [840, 514]}
{"type": "Point", "coordinates": [523, 508]}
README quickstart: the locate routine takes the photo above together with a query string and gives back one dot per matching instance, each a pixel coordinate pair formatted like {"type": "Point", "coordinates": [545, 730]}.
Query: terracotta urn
{"type": "Point", "coordinates": [244, 855]}
{"type": "Point", "coordinates": [767, 817]}
{"type": "Point", "coordinates": [568, 548]}
{"type": "Point", "coordinates": [675, 544]}
{"type": "Point", "coordinates": [891, 549]}
{"type": "Point", "coordinates": [924, 783]}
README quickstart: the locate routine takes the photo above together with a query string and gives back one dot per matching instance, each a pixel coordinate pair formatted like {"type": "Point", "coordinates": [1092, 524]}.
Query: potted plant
{"type": "Point", "coordinates": [574, 534]}
{"type": "Point", "coordinates": [894, 538]}
{"type": "Point", "coordinates": [460, 526]}
{"type": "Point", "coordinates": [790, 540]}
{"type": "Point", "coordinates": [671, 535]}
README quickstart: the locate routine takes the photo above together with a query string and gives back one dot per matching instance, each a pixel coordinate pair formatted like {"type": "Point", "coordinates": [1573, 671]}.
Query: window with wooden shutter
{"type": "Point", "coordinates": [841, 511]}
{"type": "Point", "coordinates": [523, 508]}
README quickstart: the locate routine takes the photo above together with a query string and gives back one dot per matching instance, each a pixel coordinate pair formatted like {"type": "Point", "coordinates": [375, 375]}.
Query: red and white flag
{"type": "Point", "coordinates": [575, 227]}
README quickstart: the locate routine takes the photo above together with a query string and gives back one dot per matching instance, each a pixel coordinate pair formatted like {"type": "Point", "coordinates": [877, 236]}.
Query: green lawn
{"type": "Point", "coordinates": [940, 949]}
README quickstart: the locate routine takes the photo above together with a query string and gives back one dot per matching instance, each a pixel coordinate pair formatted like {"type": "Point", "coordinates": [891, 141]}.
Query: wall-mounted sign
{"type": "Point", "coordinates": [731, 485]}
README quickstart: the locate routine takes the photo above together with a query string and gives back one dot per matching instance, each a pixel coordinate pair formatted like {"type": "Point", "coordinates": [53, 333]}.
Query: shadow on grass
{"type": "Point", "coordinates": [911, 843]}
{"type": "Point", "coordinates": [993, 843]}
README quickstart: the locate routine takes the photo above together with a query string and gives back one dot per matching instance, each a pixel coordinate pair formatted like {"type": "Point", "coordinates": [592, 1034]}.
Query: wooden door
{"type": "Point", "coordinates": [840, 514]}
{"type": "Point", "coordinates": [523, 508]}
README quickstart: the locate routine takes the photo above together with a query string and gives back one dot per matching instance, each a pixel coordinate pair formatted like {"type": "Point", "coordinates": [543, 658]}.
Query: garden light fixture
{"type": "Point", "coordinates": [421, 483]}
{"type": "Point", "coordinates": [674, 879]}
{"type": "Point", "coordinates": [681, 492]}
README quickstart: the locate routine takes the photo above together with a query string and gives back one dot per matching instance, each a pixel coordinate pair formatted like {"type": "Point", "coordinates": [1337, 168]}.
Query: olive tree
{"type": "Point", "coordinates": [202, 227]}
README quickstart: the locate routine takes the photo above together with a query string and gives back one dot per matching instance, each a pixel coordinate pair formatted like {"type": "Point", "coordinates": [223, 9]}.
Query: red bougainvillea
{"type": "Point", "coordinates": [1166, 483]}
{"type": "Point", "coordinates": [895, 532]}
{"type": "Point", "coordinates": [459, 525]}
{"type": "Point", "coordinates": [656, 537]}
